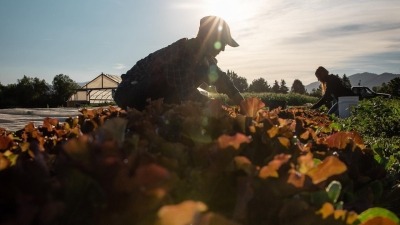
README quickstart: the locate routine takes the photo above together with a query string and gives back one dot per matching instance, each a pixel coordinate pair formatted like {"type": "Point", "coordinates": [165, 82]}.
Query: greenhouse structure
{"type": "Point", "coordinates": [97, 91]}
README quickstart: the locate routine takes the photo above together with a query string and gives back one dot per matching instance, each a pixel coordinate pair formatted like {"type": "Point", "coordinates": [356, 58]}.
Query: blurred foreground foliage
{"type": "Point", "coordinates": [192, 164]}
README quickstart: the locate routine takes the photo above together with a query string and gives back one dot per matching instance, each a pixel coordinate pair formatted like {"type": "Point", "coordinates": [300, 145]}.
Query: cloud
{"type": "Point", "coordinates": [360, 31]}
{"type": "Point", "coordinates": [375, 62]}
{"type": "Point", "coordinates": [119, 66]}
{"type": "Point", "coordinates": [289, 39]}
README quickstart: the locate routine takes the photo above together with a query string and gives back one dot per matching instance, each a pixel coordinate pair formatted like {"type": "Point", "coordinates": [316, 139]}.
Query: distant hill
{"type": "Point", "coordinates": [82, 83]}
{"type": "Point", "coordinates": [364, 79]}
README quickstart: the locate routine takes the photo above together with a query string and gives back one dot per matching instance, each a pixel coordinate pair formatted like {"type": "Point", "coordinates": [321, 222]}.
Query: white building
{"type": "Point", "coordinates": [98, 90]}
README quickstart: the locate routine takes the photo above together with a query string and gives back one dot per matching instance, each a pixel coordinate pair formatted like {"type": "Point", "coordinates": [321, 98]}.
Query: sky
{"type": "Point", "coordinates": [279, 39]}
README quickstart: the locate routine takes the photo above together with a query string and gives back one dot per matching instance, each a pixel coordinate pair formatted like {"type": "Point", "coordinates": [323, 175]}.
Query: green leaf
{"type": "Point", "coordinates": [377, 212]}
{"type": "Point", "coordinates": [379, 159]}
{"type": "Point", "coordinates": [391, 162]}
{"type": "Point", "coordinates": [336, 126]}
{"type": "Point", "coordinates": [333, 190]}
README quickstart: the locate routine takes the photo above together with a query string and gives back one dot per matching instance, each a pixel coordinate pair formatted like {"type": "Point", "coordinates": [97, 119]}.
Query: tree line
{"type": "Point", "coordinates": [31, 92]}
{"type": "Point", "coordinates": [261, 85]}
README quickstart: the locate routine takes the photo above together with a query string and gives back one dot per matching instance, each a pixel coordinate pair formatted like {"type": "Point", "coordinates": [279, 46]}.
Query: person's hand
{"type": "Point", "coordinates": [198, 97]}
{"type": "Point", "coordinates": [237, 98]}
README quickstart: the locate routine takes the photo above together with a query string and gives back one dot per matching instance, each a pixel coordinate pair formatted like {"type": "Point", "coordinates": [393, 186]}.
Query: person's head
{"type": "Point", "coordinates": [321, 73]}
{"type": "Point", "coordinates": [215, 34]}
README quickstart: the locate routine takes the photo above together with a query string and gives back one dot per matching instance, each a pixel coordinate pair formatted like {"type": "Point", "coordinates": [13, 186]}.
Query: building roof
{"type": "Point", "coordinates": [116, 78]}
{"type": "Point", "coordinates": [112, 78]}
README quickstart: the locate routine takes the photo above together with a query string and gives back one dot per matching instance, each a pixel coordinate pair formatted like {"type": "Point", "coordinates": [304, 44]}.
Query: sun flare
{"type": "Point", "coordinates": [233, 11]}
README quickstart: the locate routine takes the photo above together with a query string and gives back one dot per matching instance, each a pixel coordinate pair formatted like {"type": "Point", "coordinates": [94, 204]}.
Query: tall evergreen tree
{"type": "Point", "coordinates": [283, 88]}
{"type": "Point", "coordinates": [276, 88]}
{"type": "Point", "coordinates": [346, 81]}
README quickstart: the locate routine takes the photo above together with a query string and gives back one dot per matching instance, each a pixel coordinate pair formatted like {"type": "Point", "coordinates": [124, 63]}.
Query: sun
{"type": "Point", "coordinates": [233, 11]}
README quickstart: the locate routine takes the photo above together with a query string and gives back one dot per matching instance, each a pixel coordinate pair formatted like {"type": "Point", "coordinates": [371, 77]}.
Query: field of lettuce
{"type": "Point", "coordinates": [204, 164]}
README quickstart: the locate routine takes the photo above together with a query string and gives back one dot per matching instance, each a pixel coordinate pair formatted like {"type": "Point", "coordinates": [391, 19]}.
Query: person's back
{"type": "Point", "coordinates": [336, 88]}
{"type": "Point", "coordinates": [149, 73]}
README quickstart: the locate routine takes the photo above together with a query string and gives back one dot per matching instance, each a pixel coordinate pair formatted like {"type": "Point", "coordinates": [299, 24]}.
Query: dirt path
{"type": "Point", "coordinates": [16, 118]}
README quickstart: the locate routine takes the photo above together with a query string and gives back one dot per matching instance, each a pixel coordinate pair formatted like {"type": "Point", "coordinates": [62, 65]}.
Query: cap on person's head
{"type": "Point", "coordinates": [215, 27]}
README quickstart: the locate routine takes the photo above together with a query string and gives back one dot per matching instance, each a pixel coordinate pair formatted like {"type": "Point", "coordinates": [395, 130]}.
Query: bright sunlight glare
{"type": "Point", "coordinates": [233, 11]}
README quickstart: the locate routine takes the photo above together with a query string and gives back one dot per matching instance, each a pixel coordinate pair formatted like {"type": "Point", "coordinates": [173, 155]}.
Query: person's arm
{"type": "Point", "coordinates": [321, 101]}
{"type": "Point", "coordinates": [225, 85]}
{"type": "Point", "coordinates": [325, 98]}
